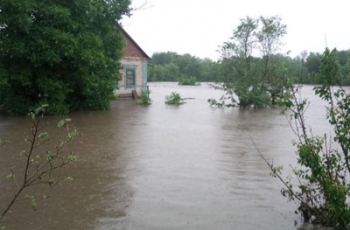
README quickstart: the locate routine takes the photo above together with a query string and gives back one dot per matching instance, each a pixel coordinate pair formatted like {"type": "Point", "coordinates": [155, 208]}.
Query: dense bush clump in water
{"type": "Point", "coordinates": [174, 99]}
{"type": "Point", "coordinates": [188, 81]}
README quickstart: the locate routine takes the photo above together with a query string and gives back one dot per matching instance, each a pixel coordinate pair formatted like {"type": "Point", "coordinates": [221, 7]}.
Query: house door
{"type": "Point", "coordinates": [130, 78]}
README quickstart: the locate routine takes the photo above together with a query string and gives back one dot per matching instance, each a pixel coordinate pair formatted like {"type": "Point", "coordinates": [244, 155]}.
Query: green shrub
{"type": "Point", "coordinates": [145, 98]}
{"type": "Point", "coordinates": [323, 176]}
{"type": "Point", "coordinates": [188, 81]}
{"type": "Point", "coordinates": [174, 99]}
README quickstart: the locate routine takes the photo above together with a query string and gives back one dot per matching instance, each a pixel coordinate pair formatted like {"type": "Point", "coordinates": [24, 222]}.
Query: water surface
{"type": "Point", "coordinates": [164, 167]}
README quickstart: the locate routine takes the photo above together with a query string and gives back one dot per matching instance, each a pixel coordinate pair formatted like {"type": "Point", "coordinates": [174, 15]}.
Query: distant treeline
{"type": "Point", "coordinates": [305, 68]}
{"type": "Point", "coordinates": [170, 66]}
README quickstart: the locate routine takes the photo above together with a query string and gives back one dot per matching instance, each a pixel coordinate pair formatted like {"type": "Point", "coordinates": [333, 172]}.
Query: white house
{"type": "Point", "coordinates": [134, 71]}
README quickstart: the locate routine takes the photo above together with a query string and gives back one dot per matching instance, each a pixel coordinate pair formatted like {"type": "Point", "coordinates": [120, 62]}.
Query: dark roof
{"type": "Point", "coordinates": [127, 36]}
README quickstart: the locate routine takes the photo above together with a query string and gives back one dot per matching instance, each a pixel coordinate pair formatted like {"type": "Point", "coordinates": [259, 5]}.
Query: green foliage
{"type": "Point", "coordinates": [63, 53]}
{"type": "Point", "coordinates": [167, 72]}
{"type": "Point", "coordinates": [174, 99]}
{"type": "Point", "coordinates": [329, 69]}
{"type": "Point", "coordinates": [63, 122]}
{"type": "Point", "coordinates": [214, 103]}
{"type": "Point", "coordinates": [188, 81]}
{"type": "Point", "coordinates": [256, 81]}
{"type": "Point", "coordinates": [171, 66]}
{"type": "Point", "coordinates": [269, 35]}
{"type": "Point", "coordinates": [307, 68]}
{"type": "Point", "coordinates": [303, 68]}
{"type": "Point", "coordinates": [313, 63]}
{"type": "Point", "coordinates": [145, 98]}
{"type": "Point", "coordinates": [40, 164]}
{"type": "Point", "coordinates": [323, 178]}
{"type": "Point", "coordinates": [222, 102]}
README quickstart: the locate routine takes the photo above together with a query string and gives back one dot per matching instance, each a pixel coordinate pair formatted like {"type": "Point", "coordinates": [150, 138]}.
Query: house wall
{"type": "Point", "coordinates": [138, 64]}
{"type": "Point", "coordinates": [135, 58]}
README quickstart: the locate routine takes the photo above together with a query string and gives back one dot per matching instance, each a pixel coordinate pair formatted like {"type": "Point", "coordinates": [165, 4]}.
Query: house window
{"type": "Point", "coordinates": [130, 77]}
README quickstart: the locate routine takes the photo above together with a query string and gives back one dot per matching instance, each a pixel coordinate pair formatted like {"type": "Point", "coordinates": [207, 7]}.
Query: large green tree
{"type": "Point", "coordinates": [59, 52]}
{"type": "Point", "coordinates": [239, 67]}
{"type": "Point", "coordinates": [251, 68]}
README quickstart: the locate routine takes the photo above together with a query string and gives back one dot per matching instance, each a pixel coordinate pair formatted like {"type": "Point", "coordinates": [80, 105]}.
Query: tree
{"type": "Point", "coordinates": [170, 66]}
{"type": "Point", "coordinates": [313, 62]}
{"type": "Point", "coordinates": [62, 53]}
{"type": "Point", "coordinates": [257, 81]}
{"type": "Point", "coordinates": [269, 39]}
{"type": "Point", "coordinates": [302, 59]}
{"type": "Point", "coordinates": [322, 179]}
{"type": "Point", "coordinates": [346, 73]}
{"type": "Point", "coordinates": [344, 62]}
{"type": "Point", "coordinates": [208, 70]}
{"type": "Point", "coordinates": [279, 78]}
{"type": "Point", "coordinates": [237, 60]}
{"type": "Point", "coordinates": [189, 65]}
{"type": "Point", "coordinates": [164, 58]}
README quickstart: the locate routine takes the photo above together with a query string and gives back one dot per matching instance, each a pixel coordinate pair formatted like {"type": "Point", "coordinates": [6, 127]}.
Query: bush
{"type": "Point", "coordinates": [188, 81]}
{"type": "Point", "coordinates": [174, 99]}
{"type": "Point", "coordinates": [145, 98]}
{"type": "Point", "coordinates": [323, 178]}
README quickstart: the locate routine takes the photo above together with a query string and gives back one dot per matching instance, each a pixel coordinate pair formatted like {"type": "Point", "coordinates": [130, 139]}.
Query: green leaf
{"type": "Point", "coordinates": [69, 179]}
{"type": "Point", "coordinates": [71, 157]}
{"type": "Point", "coordinates": [60, 123]}
{"type": "Point", "coordinates": [23, 153]}
{"type": "Point", "coordinates": [11, 176]}
{"type": "Point", "coordinates": [43, 135]}
{"type": "Point", "coordinates": [67, 120]}
{"type": "Point", "coordinates": [63, 122]}
{"type": "Point", "coordinates": [48, 155]}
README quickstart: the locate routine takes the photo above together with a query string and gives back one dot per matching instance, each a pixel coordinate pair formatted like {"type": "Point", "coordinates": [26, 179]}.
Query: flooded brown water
{"type": "Point", "coordinates": [164, 167]}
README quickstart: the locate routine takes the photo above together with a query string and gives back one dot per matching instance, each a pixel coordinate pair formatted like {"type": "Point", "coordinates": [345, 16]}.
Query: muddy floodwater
{"type": "Point", "coordinates": [163, 167]}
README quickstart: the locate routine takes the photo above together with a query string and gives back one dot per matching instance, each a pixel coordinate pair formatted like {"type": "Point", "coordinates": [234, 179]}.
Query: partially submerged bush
{"type": "Point", "coordinates": [174, 99]}
{"type": "Point", "coordinates": [188, 81]}
{"type": "Point", "coordinates": [145, 98]}
{"type": "Point", "coordinates": [248, 98]}
{"type": "Point", "coordinates": [223, 102]}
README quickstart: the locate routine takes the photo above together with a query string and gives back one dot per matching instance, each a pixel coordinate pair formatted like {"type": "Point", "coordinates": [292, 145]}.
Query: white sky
{"type": "Point", "coordinates": [198, 27]}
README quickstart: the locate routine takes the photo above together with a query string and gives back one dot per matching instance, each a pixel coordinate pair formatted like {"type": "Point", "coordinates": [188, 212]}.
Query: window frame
{"type": "Point", "coordinates": [133, 69]}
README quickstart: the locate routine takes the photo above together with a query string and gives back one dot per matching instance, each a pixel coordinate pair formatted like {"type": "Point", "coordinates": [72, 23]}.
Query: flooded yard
{"type": "Point", "coordinates": [164, 167]}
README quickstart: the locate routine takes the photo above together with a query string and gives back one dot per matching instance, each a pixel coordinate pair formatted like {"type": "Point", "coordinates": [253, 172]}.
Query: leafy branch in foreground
{"type": "Point", "coordinates": [323, 181]}
{"type": "Point", "coordinates": [40, 165]}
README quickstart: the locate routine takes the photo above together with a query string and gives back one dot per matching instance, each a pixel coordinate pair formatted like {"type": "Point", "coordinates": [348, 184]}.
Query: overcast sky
{"type": "Point", "coordinates": [198, 27]}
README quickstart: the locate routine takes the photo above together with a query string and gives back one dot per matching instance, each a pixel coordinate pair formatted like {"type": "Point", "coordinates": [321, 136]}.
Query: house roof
{"type": "Point", "coordinates": [132, 49]}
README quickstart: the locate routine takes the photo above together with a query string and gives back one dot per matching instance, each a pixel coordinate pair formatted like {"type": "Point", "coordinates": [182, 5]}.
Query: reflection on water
{"type": "Point", "coordinates": [165, 167]}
